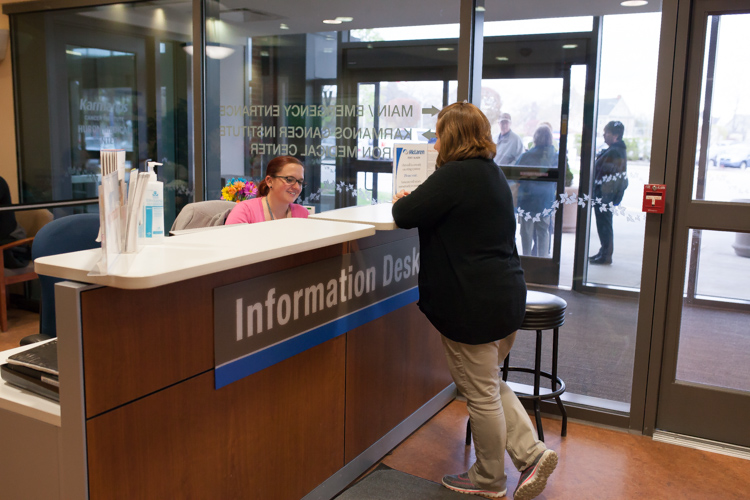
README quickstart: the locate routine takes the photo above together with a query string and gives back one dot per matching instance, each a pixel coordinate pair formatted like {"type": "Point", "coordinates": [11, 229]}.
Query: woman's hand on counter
{"type": "Point", "coordinates": [399, 195]}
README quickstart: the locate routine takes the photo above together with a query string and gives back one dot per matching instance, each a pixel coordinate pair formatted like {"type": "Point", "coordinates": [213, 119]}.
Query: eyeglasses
{"type": "Point", "coordinates": [290, 180]}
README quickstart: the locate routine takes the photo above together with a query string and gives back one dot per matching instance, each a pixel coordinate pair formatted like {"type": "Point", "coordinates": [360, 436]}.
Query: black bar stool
{"type": "Point", "coordinates": [544, 311]}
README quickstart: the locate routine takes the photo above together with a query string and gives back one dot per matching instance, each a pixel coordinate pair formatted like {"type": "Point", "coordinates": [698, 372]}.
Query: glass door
{"type": "Point", "coordinates": [405, 112]}
{"type": "Point", "coordinates": [531, 115]}
{"type": "Point", "coordinates": [705, 382]}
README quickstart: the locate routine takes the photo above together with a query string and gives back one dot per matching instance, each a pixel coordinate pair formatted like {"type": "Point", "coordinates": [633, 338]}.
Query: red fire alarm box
{"type": "Point", "coordinates": [653, 198]}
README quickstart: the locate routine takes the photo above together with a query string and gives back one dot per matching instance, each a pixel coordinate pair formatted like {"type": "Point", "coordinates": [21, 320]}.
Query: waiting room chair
{"type": "Point", "coordinates": [66, 234]}
{"type": "Point", "coordinates": [203, 214]}
{"type": "Point", "coordinates": [31, 221]}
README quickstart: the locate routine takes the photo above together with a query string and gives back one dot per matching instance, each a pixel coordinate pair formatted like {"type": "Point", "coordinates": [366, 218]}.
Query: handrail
{"type": "Point", "coordinates": [50, 204]}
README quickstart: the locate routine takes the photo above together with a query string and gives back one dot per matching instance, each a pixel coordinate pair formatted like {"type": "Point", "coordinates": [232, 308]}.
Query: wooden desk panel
{"type": "Point", "coordinates": [394, 365]}
{"type": "Point", "coordinates": [273, 435]}
{"type": "Point", "coordinates": [174, 337]}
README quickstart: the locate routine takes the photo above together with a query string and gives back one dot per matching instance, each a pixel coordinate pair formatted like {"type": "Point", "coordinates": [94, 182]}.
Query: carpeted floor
{"type": "Point", "coordinates": [385, 483]}
{"type": "Point", "coordinates": [597, 346]}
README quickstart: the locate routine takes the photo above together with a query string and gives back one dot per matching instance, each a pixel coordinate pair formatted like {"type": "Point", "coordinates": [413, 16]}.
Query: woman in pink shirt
{"type": "Point", "coordinates": [285, 178]}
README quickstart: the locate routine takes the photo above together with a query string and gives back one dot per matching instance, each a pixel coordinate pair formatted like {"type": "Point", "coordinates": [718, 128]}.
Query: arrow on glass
{"type": "Point", "coordinates": [432, 110]}
{"type": "Point", "coordinates": [429, 134]}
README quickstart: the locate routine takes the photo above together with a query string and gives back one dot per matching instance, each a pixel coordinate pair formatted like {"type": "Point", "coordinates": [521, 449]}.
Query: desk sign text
{"type": "Point", "coordinates": [264, 320]}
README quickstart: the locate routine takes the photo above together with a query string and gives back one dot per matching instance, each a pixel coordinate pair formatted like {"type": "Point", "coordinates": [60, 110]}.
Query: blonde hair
{"type": "Point", "coordinates": [464, 133]}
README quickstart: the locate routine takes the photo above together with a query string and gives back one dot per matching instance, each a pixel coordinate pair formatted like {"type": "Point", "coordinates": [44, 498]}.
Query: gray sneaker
{"type": "Point", "coordinates": [462, 484]}
{"type": "Point", "coordinates": [534, 478]}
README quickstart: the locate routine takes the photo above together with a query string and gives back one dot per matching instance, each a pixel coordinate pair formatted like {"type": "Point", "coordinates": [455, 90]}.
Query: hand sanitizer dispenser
{"type": "Point", "coordinates": [151, 228]}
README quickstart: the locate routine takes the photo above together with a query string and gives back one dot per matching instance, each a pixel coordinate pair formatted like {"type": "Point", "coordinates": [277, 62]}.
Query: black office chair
{"type": "Point", "coordinates": [66, 234]}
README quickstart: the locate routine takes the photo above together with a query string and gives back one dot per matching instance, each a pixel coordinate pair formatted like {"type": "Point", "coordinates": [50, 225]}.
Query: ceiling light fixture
{"type": "Point", "coordinates": [444, 49]}
{"type": "Point", "coordinates": [480, 9]}
{"type": "Point", "coordinates": [212, 51]}
{"type": "Point", "coordinates": [634, 3]}
{"type": "Point", "coordinates": [570, 46]}
{"type": "Point", "coordinates": [501, 58]}
{"type": "Point", "coordinates": [344, 19]}
{"type": "Point", "coordinates": [331, 21]}
{"type": "Point", "coordinates": [283, 26]}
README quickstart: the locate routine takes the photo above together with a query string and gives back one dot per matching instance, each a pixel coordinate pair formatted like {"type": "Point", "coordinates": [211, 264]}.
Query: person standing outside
{"type": "Point", "coordinates": [534, 196]}
{"type": "Point", "coordinates": [610, 182]}
{"type": "Point", "coordinates": [472, 289]}
{"type": "Point", "coordinates": [509, 144]}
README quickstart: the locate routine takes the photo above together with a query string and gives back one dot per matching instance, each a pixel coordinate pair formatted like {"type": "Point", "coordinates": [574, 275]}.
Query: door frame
{"type": "Point", "coordinates": [676, 119]}
{"type": "Point", "coordinates": [685, 407]}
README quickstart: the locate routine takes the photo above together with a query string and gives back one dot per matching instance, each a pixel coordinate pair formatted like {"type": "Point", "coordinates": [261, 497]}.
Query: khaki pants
{"type": "Point", "coordinates": [499, 421]}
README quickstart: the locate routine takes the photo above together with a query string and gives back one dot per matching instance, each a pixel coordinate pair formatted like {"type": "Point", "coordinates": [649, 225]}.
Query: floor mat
{"type": "Point", "coordinates": [389, 484]}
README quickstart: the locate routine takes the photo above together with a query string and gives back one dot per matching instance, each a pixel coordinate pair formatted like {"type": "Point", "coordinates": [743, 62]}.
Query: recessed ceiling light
{"type": "Point", "coordinates": [480, 9]}
{"type": "Point", "coordinates": [444, 49]}
{"type": "Point", "coordinates": [634, 3]}
{"type": "Point", "coordinates": [570, 46]}
{"type": "Point", "coordinates": [501, 58]}
{"type": "Point", "coordinates": [283, 26]}
{"type": "Point", "coordinates": [344, 19]}
{"type": "Point", "coordinates": [332, 21]}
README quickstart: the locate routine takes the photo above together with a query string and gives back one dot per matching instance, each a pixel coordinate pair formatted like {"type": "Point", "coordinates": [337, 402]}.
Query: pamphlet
{"type": "Point", "coordinates": [412, 164]}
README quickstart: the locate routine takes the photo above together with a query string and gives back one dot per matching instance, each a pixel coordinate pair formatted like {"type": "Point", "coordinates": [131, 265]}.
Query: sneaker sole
{"type": "Point", "coordinates": [534, 486]}
{"type": "Point", "coordinates": [485, 494]}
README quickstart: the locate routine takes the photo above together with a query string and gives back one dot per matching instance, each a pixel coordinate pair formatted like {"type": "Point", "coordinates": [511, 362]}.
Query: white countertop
{"type": "Point", "coordinates": [200, 253]}
{"type": "Point", "coordinates": [23, 402]}
{"type": "Point", "coordinates": [378, 215]}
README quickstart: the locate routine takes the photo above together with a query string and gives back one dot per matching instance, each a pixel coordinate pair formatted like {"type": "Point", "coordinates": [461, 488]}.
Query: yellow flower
{"type": "Point", "coordinates": [228, 192]}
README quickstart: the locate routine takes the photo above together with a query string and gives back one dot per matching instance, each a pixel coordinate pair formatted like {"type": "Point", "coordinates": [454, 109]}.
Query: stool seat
{"type": "Point", "coordinates": [543, 311]}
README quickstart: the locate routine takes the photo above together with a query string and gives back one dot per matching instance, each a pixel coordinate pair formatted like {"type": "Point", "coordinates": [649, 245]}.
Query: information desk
{"type": "Point", "coordinates": [140, 415]}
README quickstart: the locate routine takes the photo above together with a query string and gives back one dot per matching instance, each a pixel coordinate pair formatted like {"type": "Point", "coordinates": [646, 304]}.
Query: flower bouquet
{"type": "Point", "coordinates": [239, 189]}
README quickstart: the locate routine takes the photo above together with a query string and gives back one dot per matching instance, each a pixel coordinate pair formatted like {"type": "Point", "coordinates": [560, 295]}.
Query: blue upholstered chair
{"type": "Point", "coordinates": [63, 235]}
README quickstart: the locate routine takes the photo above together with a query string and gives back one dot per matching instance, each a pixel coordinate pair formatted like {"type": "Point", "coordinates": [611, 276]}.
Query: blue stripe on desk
{"type": "Point", "coordinates": [257, 361]}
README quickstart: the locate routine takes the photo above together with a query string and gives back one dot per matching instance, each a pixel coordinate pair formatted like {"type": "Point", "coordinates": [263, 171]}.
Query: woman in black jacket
{"type": "Point", "coordinates": [472, 289]}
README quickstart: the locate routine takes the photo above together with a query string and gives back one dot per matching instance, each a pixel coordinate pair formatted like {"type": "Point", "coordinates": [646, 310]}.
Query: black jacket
{"type": "Point", "coordinates": [471, 285]}
{"type": "Point", "coordinates": [10, 231]}
{"type": "Point", "coordinates": [611, 173]}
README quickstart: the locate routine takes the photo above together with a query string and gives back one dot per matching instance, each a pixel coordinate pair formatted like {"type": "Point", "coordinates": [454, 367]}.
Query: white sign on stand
{"type": "Point", "coordinates": [412, 164]}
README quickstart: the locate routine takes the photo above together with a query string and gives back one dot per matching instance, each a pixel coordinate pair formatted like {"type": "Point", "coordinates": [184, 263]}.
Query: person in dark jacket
{"type": "Point", "coordinates": [534, 196]}
{"type": "Point", "coordinates": [10, 231]}
{"type": "Point", "coordinates": [610, 182]}
{"type": "Point", "coordinates": [472, 289]}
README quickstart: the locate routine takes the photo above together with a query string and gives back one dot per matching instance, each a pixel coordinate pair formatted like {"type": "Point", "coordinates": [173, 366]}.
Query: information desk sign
{"type": "Point", "coordinates": [654, 196]}
{"type": "Point", "coordinates": [265, 320]}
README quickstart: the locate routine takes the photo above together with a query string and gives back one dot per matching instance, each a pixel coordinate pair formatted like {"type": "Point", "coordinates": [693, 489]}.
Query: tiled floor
{"type": "Point", "coordinates": [595, 463]}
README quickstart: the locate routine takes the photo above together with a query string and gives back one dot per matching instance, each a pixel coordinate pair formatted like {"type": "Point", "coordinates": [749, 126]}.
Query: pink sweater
{"type": "Point", "coordinates": [251, 211]}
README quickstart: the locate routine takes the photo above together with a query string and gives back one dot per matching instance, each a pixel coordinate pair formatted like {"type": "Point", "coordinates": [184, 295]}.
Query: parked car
{"type": "Point", "coordinates": [737, 156]}
{"type": "Point", "coordinates": [716, 150]}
